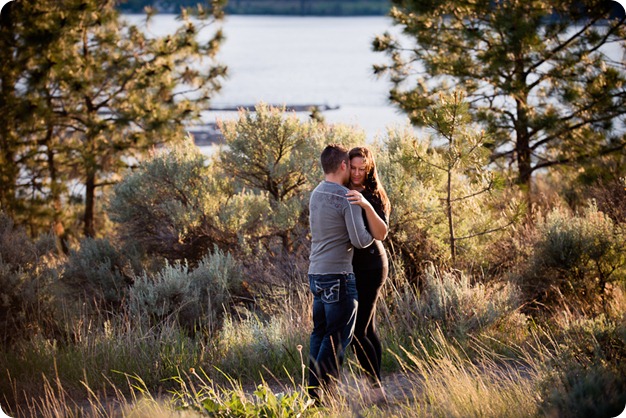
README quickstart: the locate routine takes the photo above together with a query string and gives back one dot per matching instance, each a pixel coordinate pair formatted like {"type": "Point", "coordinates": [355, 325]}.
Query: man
{"type": "Point", "coordinates": [336, 227]}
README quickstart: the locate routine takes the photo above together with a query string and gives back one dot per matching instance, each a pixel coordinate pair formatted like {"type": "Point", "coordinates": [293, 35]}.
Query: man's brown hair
{"type": "Point", "coordinates": [332, 156]}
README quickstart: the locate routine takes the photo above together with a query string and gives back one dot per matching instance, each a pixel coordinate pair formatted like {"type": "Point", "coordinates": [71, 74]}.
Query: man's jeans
{"type": "Point", "coordinates": [334, 314]}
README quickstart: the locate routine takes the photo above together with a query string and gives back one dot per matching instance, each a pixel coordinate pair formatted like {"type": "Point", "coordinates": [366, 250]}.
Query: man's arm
{"type": "Point", "coordinates": [377, 225]}
{"type": "Point", "coordinates": [359, 236]}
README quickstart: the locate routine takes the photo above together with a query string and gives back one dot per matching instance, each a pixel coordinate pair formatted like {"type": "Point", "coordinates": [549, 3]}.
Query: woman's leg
{"type": "Point", "coordinates": [372, 337]}
{"type": "Point", "coordinates": [366, 344]}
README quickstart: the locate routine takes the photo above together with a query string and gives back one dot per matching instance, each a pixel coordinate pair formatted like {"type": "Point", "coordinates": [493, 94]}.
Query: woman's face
{"type": "Point", "coordinates": [357, 172]}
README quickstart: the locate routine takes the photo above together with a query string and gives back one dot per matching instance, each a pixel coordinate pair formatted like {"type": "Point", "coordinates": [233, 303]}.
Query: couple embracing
{"type": "Point", "coordinates": [349, 213]}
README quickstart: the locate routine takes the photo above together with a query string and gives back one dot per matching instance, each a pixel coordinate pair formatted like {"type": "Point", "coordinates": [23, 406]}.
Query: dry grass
{"type": "Point", "coordinates": [428, 370]}
{"type": "Point", "coordinates": [444, 383]}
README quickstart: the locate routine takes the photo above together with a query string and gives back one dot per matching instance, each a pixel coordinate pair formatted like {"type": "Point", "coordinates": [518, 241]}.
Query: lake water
{"type": "Point", "coordinates": [302, 60]}
{"type": "Point", "coordinates": [295, 60]}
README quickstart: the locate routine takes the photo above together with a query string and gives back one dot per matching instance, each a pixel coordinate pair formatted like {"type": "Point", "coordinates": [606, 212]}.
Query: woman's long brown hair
{"type": "Point", "coordinates": [372, 182]}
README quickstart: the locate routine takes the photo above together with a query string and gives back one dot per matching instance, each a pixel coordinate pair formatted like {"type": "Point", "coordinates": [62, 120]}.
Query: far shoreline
{"type": "Point", "coordinates": [209, 133]}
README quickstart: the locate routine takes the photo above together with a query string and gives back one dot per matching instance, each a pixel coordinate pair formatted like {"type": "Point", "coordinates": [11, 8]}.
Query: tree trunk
{"type": "Point", "coordinates": [8, 174]}
{"type": "Point", "coordinates": [523, 159]}
{"type": "Point", "coordinates": [90, 192]}
{"type": "Point", "coordinates": [55, 194]}
{"type": "Point", "coordinates": [449, 213]}
{"type": "Point", "coordinates": [8, 141]}
{"type": "Point", "coordinates": [522, 143]}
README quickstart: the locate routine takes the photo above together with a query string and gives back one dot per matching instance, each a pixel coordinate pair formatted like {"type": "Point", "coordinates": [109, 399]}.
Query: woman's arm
{"type": "Point", "coordinates": [378, 227]}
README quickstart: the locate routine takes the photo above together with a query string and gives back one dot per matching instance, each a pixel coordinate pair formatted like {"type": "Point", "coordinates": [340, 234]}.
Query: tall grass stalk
{"type": "Point", "coordinates": [256, 364]}
{"type": "Point", "coordinates": [155, 353]}
{"type": "Point", "coordinates": [249, 346]}
{"type": "Point", "coordinates": [451, 302]}
{"type": "Point", "coordinates": [131, 400]}
{"type": "Point", "coordinates": [450, 384]}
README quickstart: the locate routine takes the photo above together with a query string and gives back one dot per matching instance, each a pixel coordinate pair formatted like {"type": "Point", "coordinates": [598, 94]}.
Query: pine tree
{"type": "Point", "coordinates": [86, 93]}
{"type": "Point", "coordinates": [449, 207]}
{"type": "Point", "coordinates": [468, 190]}
{"type": "Point", "coordinates": [536, 72]}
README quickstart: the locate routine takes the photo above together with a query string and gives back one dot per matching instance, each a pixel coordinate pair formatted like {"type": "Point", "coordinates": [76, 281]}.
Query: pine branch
{"type": "Point", "coordinates": [489, 231]}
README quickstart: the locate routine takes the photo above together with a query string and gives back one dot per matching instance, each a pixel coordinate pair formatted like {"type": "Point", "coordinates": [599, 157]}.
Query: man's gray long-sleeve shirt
{"type": "Point", "coordinates": [336, 227]}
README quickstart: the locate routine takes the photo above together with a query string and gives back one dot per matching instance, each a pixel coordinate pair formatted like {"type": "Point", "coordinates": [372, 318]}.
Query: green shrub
{"type": "Point", "coordinates": [24, 302]}
{"type": "Point", "coordinates": [586, 376]}
{"type": "Point", "coordinates": [452, 302]}
{"type": "Point", "coordinates": [575, 260]}
{"type": "Point", "coordinates": [177, 206]}
{"type": "Point", "coordinates": [97, 273]}
{"type": "Point", "coordinates": [462, 307]}
{"type": "Point", "coordinates": [24, 282]}
{"type": "Point", "coordinates": [160, 206]}
{"type": "Point", "coordinates": [203, 395]}
{"type": "Point", "coordinates": [275, 155]}
{"type": "Point", "coordinates": [191, 296]}
{"type": "Point", "coordinates": [16, 248]}
{"type": "Point", "coordinates": [271, 151]}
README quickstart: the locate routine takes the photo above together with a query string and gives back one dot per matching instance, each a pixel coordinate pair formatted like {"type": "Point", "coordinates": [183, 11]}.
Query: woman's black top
{"type": "Point", "coordinates": [374, 256]}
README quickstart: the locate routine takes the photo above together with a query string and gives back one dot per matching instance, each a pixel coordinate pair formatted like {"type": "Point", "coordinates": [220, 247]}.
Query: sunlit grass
{"type": "Point", "coordinates": [452, 384]}
{"type": "Point", "coordinates": [446, 383]}
{"type": "Point", "coordinates": [256, 365]}
{"type": "Point", "coordinates": [94, 360]}
{"type": "Point", "coordinates": [250, 347]}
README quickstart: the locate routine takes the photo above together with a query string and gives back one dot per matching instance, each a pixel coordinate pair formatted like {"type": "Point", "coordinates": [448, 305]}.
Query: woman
{"type": "Point", "coordinates": [370, 264]}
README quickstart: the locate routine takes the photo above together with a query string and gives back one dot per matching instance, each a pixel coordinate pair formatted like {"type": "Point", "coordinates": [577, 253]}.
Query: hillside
{"type": "Point", "coordinates": [273, 7]}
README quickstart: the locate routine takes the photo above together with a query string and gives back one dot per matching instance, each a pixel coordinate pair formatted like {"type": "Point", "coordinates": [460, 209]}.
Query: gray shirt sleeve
{"type": "Point", "coordinates": [359, 235]}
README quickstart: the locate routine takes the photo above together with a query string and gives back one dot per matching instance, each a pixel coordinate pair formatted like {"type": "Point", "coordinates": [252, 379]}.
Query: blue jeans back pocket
{"type": "Point", "coordinates": [328, 290]}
